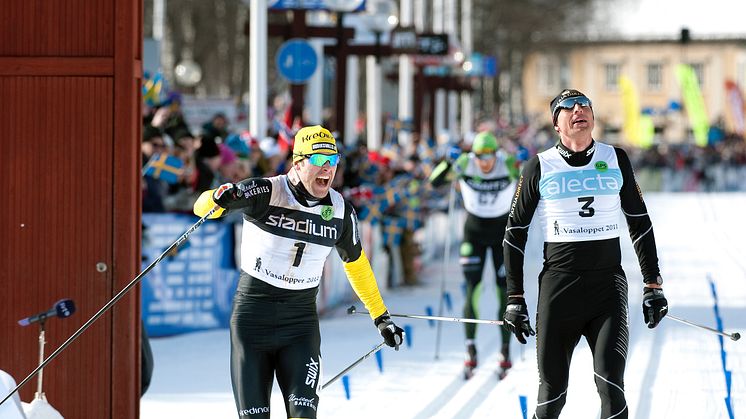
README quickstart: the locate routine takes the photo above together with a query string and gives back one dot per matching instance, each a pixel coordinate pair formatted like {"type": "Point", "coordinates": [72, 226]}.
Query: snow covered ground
{"type": "Point", "coordinates": [673, 371]}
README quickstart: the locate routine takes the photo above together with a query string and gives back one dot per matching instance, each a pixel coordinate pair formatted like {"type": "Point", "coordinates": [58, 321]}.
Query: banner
{"type": "Point", "coordinates": [647, 131]}
{"type": "Point", "coordinates": [355, 6]}
{"type": "Point", "coordinates": [631, 109]}
{"type": "Point", "coordinates": [694, 103]}
{"type": "Point", "coordinates": [736, 106]}
{"type": "Point", "coordinates": [192, 288]}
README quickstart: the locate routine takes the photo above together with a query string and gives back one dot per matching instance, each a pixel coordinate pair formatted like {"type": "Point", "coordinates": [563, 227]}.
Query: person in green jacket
{"type": "Point", "coordinates": [487, 177]}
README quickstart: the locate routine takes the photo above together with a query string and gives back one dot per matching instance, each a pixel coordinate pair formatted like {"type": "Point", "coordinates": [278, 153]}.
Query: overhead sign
{"type": "Point", "coordinates": [432, 49]}
{"type": "Point", "coordinates": [309, 5]}
{"type": "Point", "coordinates": [482, 65]}
{"type": "Point", "coordinates": [432, 44]}
{"type": "Point", "coordinates": [404, 40]}
{"type": "Point", "coordinates": [296, 60]}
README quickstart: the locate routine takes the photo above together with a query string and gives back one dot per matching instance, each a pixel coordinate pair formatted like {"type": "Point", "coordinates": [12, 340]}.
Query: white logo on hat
{"type": "Point", "coordinates": [328, 146]}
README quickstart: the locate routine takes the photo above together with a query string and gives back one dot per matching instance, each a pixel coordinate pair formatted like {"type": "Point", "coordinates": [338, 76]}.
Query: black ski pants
{"type": "Point", "coordinates": [588, 304]}
{"type": "Point", "coordinates": [272, 335]}
{"type": "Point", "coordinates": [481, 234]}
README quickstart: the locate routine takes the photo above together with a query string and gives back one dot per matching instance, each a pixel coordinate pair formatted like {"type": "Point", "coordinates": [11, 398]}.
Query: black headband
{"type": "Point", "coordinates": [567, 93]}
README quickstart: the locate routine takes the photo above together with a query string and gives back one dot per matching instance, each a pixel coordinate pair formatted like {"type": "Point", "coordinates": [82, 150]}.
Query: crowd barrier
{"type": "Point", "coordinates": [192, 289]}
{"type": "Point", "coordinates": [716, 177]}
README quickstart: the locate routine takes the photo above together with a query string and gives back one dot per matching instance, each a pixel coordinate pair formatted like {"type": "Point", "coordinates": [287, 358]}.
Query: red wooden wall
{"type": "Point", "coordinates": [70, 197]}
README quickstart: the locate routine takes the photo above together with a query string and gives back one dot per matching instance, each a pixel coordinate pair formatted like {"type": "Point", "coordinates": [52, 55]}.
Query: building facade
{"type": "Point", "coordinates": [594, 67]}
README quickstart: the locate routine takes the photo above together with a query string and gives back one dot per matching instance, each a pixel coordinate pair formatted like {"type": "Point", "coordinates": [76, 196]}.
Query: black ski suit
{"type": "Point", "coordinates": [582, 288]}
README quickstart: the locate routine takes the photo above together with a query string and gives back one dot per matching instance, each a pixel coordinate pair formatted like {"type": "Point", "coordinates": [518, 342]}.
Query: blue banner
{"type": "Point", "coordinates": [192, 288]}
{"type": "Point", "coordinates": [307, 5]}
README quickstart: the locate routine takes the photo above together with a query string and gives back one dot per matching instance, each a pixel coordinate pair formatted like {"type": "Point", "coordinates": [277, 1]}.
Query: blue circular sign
{"type": "Point", "coordinates": [296, 60]}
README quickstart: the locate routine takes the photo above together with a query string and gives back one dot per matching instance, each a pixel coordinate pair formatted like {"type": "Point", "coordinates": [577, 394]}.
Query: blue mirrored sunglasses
{"type": "Point", "coordinates": [570, 102]}
{"type": "Point", "coordinates": [318, 159]}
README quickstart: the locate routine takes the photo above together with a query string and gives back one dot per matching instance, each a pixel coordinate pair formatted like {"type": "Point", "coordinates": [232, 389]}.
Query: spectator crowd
{"type": "Point", "coordinates": [388, 187]}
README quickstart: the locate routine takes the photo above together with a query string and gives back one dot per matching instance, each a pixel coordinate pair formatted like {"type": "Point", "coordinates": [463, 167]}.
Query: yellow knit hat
{"type": "Point", "coordinates": [313, 139]}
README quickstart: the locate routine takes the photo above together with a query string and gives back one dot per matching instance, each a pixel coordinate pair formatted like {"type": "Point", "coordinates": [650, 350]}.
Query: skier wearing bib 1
{"type": "Point", "coordinates": [291, 223]}
{"type": "Point", "coordinates": [487, 178]}
{"type": "Point", "coordinates": [578, 189]}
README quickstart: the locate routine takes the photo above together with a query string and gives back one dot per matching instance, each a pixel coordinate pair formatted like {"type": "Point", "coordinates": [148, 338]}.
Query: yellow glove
{"type": "Point", "coordinates": [205, 203]}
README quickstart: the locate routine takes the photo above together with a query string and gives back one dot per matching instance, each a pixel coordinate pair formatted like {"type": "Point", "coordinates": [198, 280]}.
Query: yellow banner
{"type": "Point", "coordinates": [647, 131]}
{"type": "Point", "coordinates": [631, 109]}
{"type": "Point", "coordinates": [694, 103]}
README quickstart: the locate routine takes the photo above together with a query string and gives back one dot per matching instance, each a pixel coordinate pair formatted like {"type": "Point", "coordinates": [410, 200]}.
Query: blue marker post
{"type": "Point", "coordinates": [524, 406]}
{"type": "Point", "coordinates": [447, 299]}
{"type": "Point", "coordinates": [346, 384]}
{"type": "Point", "coordinates": [408, 335]}
{"type": "Point", "coordinates": [429, 311]}
{"type": "Point", "coordinates": [728, 399]}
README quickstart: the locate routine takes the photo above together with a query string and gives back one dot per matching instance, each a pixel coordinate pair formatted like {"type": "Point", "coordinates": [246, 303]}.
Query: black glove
{"type": "Point", "coordinates": [392, 334]}
{"type": "Point", "coordinates": [224, 194]}
{"type": "Point", "coordinates": [516, 319]}
{"type": "Point", "coordinates": [654, 306]}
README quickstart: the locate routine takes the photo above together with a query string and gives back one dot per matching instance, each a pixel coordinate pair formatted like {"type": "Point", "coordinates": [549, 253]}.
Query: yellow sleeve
{"type": "Point", "coordinates": [205, 203]}
{"type": "Point", "coordinates": [363, 282]}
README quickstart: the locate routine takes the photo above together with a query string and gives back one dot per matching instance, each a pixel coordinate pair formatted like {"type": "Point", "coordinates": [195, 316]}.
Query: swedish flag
{"type": "Point", "coordinates": [164, 167]}
{"type": "Point", "coordinates": [373, 212]}
{"type": "Point", "coordinates": [393, 227]}
{"type": "Point", "coordinates": [151, 89]}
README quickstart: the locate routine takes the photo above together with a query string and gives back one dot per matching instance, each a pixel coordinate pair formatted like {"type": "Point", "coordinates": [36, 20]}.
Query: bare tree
{"type": "Point", "coordinates": [510, 29]}
{"type": "Point", "coordinates": [213, 34]}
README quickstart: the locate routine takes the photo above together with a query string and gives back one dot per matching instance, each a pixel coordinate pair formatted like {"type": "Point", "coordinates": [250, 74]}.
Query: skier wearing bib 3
{"type": "Point", "coordinates": [291, 223]}
{"type": "Point", "coordinates": [487, 177]}
{"type": "Point", "coordinates": [578, 189]}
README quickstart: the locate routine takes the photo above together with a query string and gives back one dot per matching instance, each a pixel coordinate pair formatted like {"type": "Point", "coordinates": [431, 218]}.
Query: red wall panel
{"type": "Point", "coordinates": [70, 169]}
{"type": "Point", "coordinates": [57, 28]}
{"type": "Point", "coordinates": [57, 167]}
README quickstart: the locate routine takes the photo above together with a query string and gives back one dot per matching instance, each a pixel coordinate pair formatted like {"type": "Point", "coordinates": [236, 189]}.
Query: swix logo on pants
{"type": "Point", "coordinates": [313, 373]}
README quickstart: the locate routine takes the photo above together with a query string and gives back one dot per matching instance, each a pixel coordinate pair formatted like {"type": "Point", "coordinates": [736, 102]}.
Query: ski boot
{"type": "Point", "coordinates": [470, 363]}
{"type": "Point", "coordinates": [504, 365]}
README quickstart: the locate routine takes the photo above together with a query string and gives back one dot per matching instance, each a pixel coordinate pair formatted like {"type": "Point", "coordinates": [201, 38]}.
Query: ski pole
{"type": "Point", "coordinates": [733, 336]}
{"type": "Point", "coordinates": [353, 310]}
{"type": "Point", "coordinates": [111, 302]}
{"type": "Point", "coordinates": [353, 365]}
{"type": "Point", "coordinates": [446, 259]}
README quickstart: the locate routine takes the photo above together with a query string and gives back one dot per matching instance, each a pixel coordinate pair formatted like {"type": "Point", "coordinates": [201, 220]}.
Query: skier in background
{"type": "Point", "coordinates": [487, 178]}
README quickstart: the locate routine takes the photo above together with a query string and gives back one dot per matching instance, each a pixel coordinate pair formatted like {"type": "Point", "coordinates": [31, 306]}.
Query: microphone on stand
{"type": "Point", "coordinates": [62, 309]}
